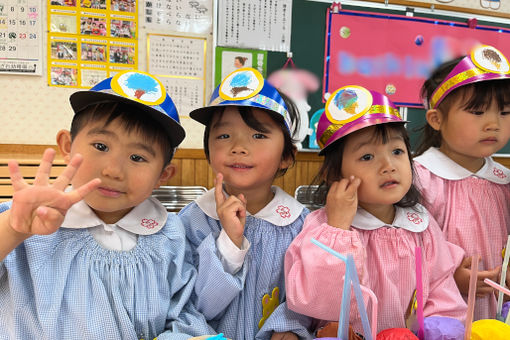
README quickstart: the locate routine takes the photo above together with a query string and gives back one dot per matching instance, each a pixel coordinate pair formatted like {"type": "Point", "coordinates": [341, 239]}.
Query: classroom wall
{"type": "Point", "coordinates": [33, 112]}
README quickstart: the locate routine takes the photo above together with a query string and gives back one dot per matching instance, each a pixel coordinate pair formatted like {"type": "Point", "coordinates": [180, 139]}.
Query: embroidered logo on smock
{"type": "Point", "coordinates": [498, 173]}
{"type": "Point", "coordinates": [269, 304]}
{"type": "Point", "coordinates": [283, 211]}
{"type": "Point", "coordinates": [414, 217]}
{"type": "Point", "coordinates": [149, 223]}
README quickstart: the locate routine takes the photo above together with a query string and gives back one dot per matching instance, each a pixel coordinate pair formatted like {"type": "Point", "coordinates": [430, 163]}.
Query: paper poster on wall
{"type": "Point", "coordinates": [179, 63]}
{"type": "Point", "coordinates": [474, 6]}
{"type": "Point", "coordinates": [90, 40]}
{"type": "Point", "coordinates": [20, 37]}
{"type": "Point", "coordinates": [256, 24]}
{"type": "Point", "coordinates": [394, 54]}
{"type": "Point", "coordinates": [230, 59]}
{"type": "Point", "coordinates": [193, 16]}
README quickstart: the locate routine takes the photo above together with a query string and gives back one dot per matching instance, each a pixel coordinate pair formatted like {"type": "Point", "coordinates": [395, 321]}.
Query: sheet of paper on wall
{"type": "Point", "coordinates": [256, 24]}
{"type": "Point", "coordinates": [179, 63]}
{"type": "Point", "coordinates": [20, 37]}
{"type": "Point", "coordinates": [190, 16]}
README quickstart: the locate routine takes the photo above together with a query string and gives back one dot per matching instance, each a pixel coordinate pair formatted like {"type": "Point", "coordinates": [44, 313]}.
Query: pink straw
{"type": "Point", "coordinates": [419, 292]}
{"type": "Point", "coordinates": [498, 287]}
{"type": "Point", "coordinates": [471, 295]}
{"type": "Point", "coordinates": [372, 296]}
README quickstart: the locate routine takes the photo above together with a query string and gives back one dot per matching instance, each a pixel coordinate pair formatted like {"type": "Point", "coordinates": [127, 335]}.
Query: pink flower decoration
{"type": "Point", "coordinates": [414, 217]}
{"type": "Point", "coordinates": [149, 223]}
{"type": "Point", "coordinates": [283, 211]}
{"type": "Point", "coordinates": [498, 173]}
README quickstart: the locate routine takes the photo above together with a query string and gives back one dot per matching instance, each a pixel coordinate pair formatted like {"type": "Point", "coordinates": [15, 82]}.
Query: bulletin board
{"type": "Point", "coordinates": [307, 46]}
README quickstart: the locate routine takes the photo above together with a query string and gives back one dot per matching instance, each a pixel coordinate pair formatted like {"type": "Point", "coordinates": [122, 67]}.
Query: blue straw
{"type": "Point", "coordinates": [351, 276]}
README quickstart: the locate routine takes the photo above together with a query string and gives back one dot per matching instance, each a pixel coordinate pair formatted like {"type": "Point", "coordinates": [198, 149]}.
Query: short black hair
{"type": "Point", "coordinates": [331, 169]}
{"type": "Point", "coordinates": [246, 112]}
{"type": "Point", "coordinates": [130, 119]}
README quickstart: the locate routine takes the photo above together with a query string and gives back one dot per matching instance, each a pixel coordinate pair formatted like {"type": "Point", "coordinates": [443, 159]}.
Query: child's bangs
{"type": "Point", "coordinates": [250, 120]}
{"type": "Point", "coordinates": [479, 96]}
{"type": "Point", "coordinates": [382, 132]}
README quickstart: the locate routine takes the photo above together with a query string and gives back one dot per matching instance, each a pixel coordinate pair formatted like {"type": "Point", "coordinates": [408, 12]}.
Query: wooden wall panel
{"type": "Point", "coordinates": [193, 168]}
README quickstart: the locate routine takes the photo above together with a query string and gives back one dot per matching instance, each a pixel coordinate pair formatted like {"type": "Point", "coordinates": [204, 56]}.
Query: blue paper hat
{"type": "Point", "coordinates": [140, 90]}
{"type": "Point", "coordinates": [245, 87]}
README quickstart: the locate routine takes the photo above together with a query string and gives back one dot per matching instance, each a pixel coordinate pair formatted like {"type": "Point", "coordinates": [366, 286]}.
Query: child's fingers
{"type": "Point", "coordinates": [218, 190]}
{"type": "Point", "coordinates": [65, 177]}
{"type": "Point", "coordinates": [79, 193]}
{"type": "Point", "coordinates": [50, 219]}
{"type": "Point", "coordinates": [353, 185]}
{"type": "Point", "coordinates": [17, 180]}
{"type": "Point", "coordinates": [43, 171]}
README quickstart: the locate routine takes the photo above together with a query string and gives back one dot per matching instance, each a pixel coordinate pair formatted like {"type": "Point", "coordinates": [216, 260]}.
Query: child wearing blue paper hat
{"type": "Point", "coordinates": [240, 230]}
{"type": "Point", "coordinates": [102, 259]}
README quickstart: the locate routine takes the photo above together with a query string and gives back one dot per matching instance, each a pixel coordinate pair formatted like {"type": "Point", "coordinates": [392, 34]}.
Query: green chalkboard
{"type": "Point", "coordinates": [307, 46]}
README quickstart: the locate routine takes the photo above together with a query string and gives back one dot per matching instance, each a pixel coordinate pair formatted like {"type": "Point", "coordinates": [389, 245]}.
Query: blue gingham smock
{"type": "Point", "coordinates": [233, 302]}
{"type": "Point", "coordinates": [66, 286]}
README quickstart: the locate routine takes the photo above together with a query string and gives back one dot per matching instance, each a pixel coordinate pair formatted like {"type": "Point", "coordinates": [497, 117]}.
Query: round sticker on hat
{"type": "Point", "coordinates": [139, 86]}
{"type": "Point", "coordinates": [241, 84]}
{"type": "Point", "coordinates": [490, 59]}
{"type": "Point", "coordinates": [348, 103]}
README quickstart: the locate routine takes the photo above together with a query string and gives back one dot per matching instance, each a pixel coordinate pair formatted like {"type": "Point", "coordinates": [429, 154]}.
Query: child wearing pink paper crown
{"type": "Point", "coordinates": [239, 230]}
{"type": "Point", "coordinates": [468, 120]}
{"type": "Point", "coordinates": [372, 212]}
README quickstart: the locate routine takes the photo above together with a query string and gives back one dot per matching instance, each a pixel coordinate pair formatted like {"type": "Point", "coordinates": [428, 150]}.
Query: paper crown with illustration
{"type": "Point", "coordinates": [245, 87]}
{"type": "Point", "coordinates": [139, 89]}
{"type": "Point", "coordinates": [351, 108]}
{"type": "Point", "coordinates": [482, 64]}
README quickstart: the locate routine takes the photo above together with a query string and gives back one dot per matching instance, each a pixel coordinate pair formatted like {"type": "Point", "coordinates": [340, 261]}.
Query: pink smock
{"type": "Point", "coordinates": [384, 256]}
{"type": "Point", "coordinates": [472, 209]}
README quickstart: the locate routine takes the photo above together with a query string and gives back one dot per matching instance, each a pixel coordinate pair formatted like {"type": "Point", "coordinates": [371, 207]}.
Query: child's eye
{"type": "Point", "coordinates": [366, 157]}
{"type": "Point", "coordinates": [137, 158]}
{"type": "Point", "coordinates": [398, 152]}
{"type": "Point", "coordinates": [100, 146]}
{"type": "Point", "coordinates": [223, 136]}
{"type": "Point", "coordinates": [259, 136]}
{"type": "Point", "coordinates": [505, 113]}
{"type": "Point", "coordinates": [477, 113]}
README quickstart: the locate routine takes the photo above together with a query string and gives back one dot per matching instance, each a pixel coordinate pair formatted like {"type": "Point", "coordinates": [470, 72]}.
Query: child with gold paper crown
{"type": "Point", "coordinates": [467, 192]}
{"type": "Point", "coordinates": [240, 230]}
{"type": "Point", "coordinates": [103, 259]}
{"type": "Point", "coordinates": [372, 212]}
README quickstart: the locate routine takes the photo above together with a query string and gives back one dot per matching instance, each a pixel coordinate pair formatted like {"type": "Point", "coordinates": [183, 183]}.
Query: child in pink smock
{"type": "Point", "coordinates": [467, 192]}
{"type": "Point", "coordinates": [372, 212]}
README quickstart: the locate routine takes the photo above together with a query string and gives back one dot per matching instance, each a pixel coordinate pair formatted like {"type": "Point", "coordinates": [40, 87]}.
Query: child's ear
{"type": "Point", "coordinates": [289, 161]}
{"type": "Point", "coordinates": [167, 173]}
{"type": "Point", "coordinates": [64, 144]}
{"type": "Point", "coordinates": [434, 118]}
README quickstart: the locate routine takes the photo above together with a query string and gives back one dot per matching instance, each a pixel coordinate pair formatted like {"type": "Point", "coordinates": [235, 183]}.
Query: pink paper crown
{"type": "Point", "coordinates": [482, 64]}
{"type": "Point", "coordinates": [351, 108]}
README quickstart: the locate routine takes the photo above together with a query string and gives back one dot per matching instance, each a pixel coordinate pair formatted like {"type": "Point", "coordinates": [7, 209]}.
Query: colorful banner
{"type": "Point", "coordinates": [89, 40]}
{"type": "Point", "coordinates": [394, 54]}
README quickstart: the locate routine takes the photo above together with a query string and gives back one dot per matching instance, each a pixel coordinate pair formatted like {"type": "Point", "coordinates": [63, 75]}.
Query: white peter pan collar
{"type": "Point", "coordinates": [281, 211]}
{"type": "Point", "coordinates": [145, 219]}
{"type": "Point", "coordinates": [415, 219]}
{"type": "Point", "coordinates": [441, 165]}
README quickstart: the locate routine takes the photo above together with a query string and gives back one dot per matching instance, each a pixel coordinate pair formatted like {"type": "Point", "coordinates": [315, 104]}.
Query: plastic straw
{"type": "Point", "coordinates": [501, 290]}
{"type": "Point", "coordinates": [502, 280]}
{"type": "Point", "coordinates": [359, 298]}
{"type": "Point", "coordinates": [351, 275]}
{"type": "Point", "coordinates": [343, 326]}
{"type": "Point", "coordinates": [471, 296]}
{"type": "Point", "coordinates": [375, 303]}
{"type": "Point", "coordinates": [419, 292]}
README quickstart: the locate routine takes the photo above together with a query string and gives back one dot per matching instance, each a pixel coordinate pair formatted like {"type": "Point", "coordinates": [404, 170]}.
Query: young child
{"type": "Point", "coordinates": [103, 260]}
{"type": "Point", "coordinates": [372, 212]}
{"type": "Point", "coordinates": [468, 119]}
{"type": "Point", "coordinates": [239, 231]}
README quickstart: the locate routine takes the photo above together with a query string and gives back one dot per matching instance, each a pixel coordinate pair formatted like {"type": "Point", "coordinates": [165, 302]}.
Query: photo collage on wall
{"type": "Point", "coordinates": [90, 40]}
